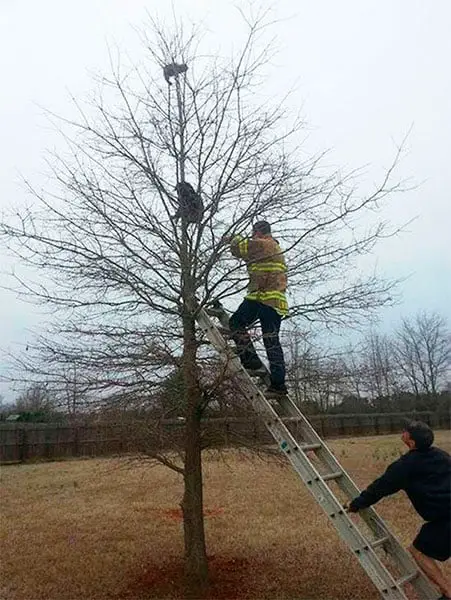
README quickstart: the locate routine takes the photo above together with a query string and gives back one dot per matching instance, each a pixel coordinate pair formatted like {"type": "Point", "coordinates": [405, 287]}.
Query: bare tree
{"type": "Point", "coordinates": [353, 372]}
{"type": "Point", "coordinates": [319, 377]}
{"type": "Point", "coordinates": [300, 355]}
{"type": "Point", "coordinates": [422, 348]}
{"type": "Point", "coordinates": [5, 409]}
{"type": "Point", "coordinates": [36, 398]}
{"type": "Point", "coordinates": [128, 277]}
{"type": "Point", "coordinates": [380, 369]}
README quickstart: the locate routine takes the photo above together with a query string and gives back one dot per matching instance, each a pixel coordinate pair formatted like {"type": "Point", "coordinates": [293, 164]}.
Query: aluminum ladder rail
{"type": "Point", "coordinates": [390, 586]}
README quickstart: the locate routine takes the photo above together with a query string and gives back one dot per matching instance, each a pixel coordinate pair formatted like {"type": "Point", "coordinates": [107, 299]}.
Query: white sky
{"type": "Point", "coordinates": [364, 73]}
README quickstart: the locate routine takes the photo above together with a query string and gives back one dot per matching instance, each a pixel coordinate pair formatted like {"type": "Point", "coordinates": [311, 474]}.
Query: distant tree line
{"type": "Point", "coordinates": [406, 371]}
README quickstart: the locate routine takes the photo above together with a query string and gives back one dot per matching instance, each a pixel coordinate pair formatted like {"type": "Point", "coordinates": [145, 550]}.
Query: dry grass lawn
{"type": "Point", "coordinates": [102, 529]}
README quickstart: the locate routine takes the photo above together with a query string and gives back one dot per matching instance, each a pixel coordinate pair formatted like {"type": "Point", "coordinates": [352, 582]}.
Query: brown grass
{"type": "Point", "coordinates": [100, 529]}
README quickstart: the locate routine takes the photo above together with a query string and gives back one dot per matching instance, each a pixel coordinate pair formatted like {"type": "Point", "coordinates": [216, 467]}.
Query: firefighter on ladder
{"type": "Point", "coordinates": [265, 302]}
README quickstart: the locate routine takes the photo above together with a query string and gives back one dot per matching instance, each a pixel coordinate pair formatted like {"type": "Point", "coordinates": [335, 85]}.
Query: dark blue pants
{"type": "Point", "coordinates": [248, 312]}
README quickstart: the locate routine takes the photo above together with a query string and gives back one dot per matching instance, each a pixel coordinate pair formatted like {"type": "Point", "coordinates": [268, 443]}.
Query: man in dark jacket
{"type": "Point", "coordinates": [424, 473]}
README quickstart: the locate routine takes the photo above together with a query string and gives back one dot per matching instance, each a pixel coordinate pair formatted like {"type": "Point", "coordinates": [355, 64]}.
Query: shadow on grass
{"type": "Point", "coordinates": [235, 578]}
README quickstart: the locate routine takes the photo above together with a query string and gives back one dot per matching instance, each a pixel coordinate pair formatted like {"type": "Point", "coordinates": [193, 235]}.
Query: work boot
{"type": "Point", "coordinates": [276, 390]}
{"type": "Point", "coordinates": [258, 372]}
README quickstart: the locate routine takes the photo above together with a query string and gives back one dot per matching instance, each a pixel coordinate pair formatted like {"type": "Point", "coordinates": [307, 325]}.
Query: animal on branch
{"type": "Point", "coordinates": [191, 207]}
{"type": "Point", "coordinates": [173, 70]}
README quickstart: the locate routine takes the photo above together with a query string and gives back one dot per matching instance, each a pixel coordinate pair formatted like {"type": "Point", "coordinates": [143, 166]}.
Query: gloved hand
{"type": "Point", "coordinates": [351, 508]}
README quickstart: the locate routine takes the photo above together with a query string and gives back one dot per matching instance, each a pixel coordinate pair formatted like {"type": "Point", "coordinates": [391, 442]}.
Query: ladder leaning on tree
{"type": "Point", "coordinates": [374, 545]}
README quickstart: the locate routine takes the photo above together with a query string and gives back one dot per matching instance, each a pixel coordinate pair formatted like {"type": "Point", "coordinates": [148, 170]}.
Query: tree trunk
{"type": "Point", "coordinates": [196, 565]}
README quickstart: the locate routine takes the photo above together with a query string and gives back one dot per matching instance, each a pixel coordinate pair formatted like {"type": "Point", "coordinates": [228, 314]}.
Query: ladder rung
{"type": "Point", "coordinates": [379, 542]}
{"type": "Point", "coordinates": [307, 447]}
{"type": "Point", "coordinates": [407, 578]}
{"type": "Point", "coordinates": [334, 475]}
{"type": "Point", "coordinates": [214, 312]}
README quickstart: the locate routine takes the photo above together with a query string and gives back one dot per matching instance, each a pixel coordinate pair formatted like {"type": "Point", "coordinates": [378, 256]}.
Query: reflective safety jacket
{"type": "Point", "coordinates": [267, 270]}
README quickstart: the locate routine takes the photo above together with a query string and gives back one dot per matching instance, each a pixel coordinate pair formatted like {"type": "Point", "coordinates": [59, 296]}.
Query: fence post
{"type": "Point", "coordinates": [392, 425]}
{"type": "Point", "coordinates": [227, 434]}
{"type": "Point", "coordinates": [434, 420]}
{"type": "Point", "coordinates": [76, 446]}
{"type": "Point", "coordinates": [358, 425]}
{"type": "Point", "coordinates": [121, 438]}
{"type": "Point", "coordinates": [48, 444]}
{"type": "Point", "coordinates": [23, 445]}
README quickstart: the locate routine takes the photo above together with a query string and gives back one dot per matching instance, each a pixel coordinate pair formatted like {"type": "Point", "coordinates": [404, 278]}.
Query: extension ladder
{"type": "Point", "coordinates": [319, 473]}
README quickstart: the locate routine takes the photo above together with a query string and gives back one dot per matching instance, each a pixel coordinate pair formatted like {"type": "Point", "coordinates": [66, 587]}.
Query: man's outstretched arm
{"type": "Point", "coordinates": [393, 480]}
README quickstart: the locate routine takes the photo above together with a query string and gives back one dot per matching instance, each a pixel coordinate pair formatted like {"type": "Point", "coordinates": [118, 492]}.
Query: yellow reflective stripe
{"type": "Point", "coordinates": [243, 247]}
{"type": "Point", "coordinates": [280, 301]}
{"type": "Point", "coordinates": [282, 311]}
{"type": "Point", "coordinates": [268, 295]}
{"type": "Point", "coordinates": [242, 243]}
{"type": "Point", "coordinates": [268, 267]}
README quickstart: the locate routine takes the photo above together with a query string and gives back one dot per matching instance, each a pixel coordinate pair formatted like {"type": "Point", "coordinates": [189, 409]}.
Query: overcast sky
{"type": "Point", "coordinates": [364, 73]}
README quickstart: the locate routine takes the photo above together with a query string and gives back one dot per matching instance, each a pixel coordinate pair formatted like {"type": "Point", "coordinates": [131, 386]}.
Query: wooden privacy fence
{"type": "Point", "coordinates": [20, 442]}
